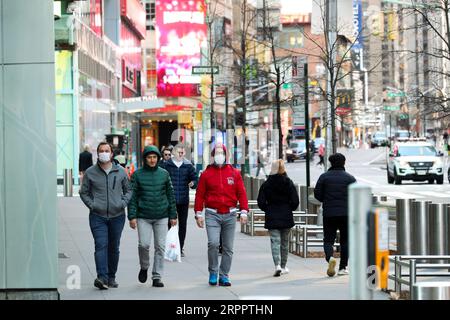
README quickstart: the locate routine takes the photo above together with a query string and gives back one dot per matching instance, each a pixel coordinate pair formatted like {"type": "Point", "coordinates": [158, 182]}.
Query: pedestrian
{"type": "Point", "coordinates": [278, 197]}
{"type": "Point", "coordinates": [312, 148]}
{"type": "Point", "coordinates": [167, 154]}
{"type": "Point", "coordinates": [321, 154]}
{"type": "Point", "coordinates": [332, 190]}
{"type": "Point", "coordinates": [183, 176]}
{"type": "Point", "coordinates": [84, 161]}
{"type": "Point", "coordinates": [151, 207]}
{"type": "Point", "coordinates": [106, 192]}
{"type": "Point", "coordinates": [219, 190]}
{"type": "Point", "coordinates": [260, 162]}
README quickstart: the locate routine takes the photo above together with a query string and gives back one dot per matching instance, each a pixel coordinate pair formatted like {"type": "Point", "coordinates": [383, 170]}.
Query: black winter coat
{"type": "Point", "coordinates": [278, 197]}
{"type": "Point", "coordinates": [180, 179]}
{"type": "Point", "coordinates": [85, 161]}
{"type": "Point", "coordinates": [332, 190]}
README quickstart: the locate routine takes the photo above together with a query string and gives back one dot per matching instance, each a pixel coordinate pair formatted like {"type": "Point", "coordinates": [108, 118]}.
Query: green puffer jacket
{"type": "Point", "coordinates": [153, 195]}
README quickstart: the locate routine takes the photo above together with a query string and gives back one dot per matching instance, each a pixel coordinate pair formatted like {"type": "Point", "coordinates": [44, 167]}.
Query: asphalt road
{"type": "Point", "coordinates": [369, 167]}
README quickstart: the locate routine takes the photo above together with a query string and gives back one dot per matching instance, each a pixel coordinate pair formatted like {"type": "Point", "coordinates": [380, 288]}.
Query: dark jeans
{"type": "Point", "coordinates": [106, 234]}
{"type": "Point", "coordinates": [330, 227]}
{"type": "Point", "coordinates": [182, 211]}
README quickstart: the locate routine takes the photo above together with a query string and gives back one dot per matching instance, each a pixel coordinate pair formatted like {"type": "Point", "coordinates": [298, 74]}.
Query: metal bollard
{"type": "Point", "coordinates": [68, 183]}
{"type": "Point", "coordinates": [303, 194]}
{"type": "Point", "coordinates": [312, 207]}
{"type": "Point", "coordinates": [431, 291]}
{"type": "Point", "coordinates": [420, 228]}
{"type": "Point", "coordinates": [403, 226]}
{"type": "Point", "coordinates": [437, 229]}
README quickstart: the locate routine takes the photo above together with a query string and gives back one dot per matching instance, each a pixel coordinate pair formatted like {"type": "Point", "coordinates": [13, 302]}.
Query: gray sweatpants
{"type": "Point", "coordinates": [216, 225]}
{"type": "Point", "coordinates": [279, 240]}
{"type": "Point", "coordinates": [158, 228]}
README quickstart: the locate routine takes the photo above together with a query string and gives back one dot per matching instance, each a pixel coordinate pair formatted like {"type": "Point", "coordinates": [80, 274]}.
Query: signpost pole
{"type": "Point", "coordinates": [305, 80]}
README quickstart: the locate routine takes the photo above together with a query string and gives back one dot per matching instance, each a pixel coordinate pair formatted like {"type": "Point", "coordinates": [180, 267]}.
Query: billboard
{"type": "Point", "coordinates": [181, 33]}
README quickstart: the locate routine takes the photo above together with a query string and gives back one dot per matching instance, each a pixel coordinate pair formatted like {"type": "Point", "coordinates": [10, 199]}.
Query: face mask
{"type": "Point", "coordinates": [219, 159]}
{"type": "Point", "coordinates": [104, 157]}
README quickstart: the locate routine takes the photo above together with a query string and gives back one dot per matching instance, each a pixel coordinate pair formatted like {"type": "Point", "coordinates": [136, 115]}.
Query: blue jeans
{"type": "Point", "coordinates": [106, 234]}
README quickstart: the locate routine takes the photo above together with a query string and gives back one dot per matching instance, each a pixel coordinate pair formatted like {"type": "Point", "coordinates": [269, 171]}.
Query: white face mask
{"type": "Point", "coordinates": [219, 159]}
{"type": "Point", "coordinates": [104, 157]}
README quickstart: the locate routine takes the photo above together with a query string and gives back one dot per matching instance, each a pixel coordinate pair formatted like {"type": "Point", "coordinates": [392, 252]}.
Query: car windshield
{"type": "Point", "coordinates": [297, 145]}
{"type": "Point", "coordinates": [416, 151]}
{"type": "Point", "coordinates": [380, 135]}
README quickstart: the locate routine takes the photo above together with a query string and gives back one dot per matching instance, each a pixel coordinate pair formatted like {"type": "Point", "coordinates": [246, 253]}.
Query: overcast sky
{"type": "Point", "coordinates": [296, 6]}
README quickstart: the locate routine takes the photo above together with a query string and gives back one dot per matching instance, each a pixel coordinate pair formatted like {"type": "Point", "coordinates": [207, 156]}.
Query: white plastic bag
{"type": "Point", "coordinates": [173, 251]}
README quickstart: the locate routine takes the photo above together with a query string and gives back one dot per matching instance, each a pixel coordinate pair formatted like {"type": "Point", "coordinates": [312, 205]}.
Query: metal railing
{"type": "Point", "coordinates": [300, 239]}
{"type": "Point", "coordinates": [411, 263]}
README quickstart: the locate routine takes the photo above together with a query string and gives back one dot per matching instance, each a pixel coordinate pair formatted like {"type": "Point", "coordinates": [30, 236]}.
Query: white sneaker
{"type": "Point", "coordinates": [343, 272]}
{"type": "Point", "coordinates": [331, 267]}
{"type": "Point", "coordinates": [278, 271]}
{"type": "Point", "coordinates": [284, 270]}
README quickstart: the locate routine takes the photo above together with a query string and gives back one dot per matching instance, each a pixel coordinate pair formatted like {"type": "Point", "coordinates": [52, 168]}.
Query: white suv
{"type": "Point", "coordinates": [415, 160]}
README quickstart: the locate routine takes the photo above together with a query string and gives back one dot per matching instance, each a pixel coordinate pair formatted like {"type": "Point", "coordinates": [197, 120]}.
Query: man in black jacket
{"type": "Point", "coordinates": [84, 162]}
{"type": "Point", "coordinates": [332, 190]}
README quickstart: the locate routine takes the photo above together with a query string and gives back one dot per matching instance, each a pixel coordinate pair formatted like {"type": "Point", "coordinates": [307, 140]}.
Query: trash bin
{"type": "Point", "coordinates": [68, 183]}
{"type": "Point", "coordinates": [431, 290]}
{"type": "Point", "coordinates": [403, 226]}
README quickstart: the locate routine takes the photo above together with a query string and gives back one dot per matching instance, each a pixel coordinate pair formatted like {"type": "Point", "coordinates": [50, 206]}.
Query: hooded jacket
{"type": "Point", "coordinates": [278, 197]}
{"type": "Point", "coordinates": [106, 195]}
{"type": "Point", "coordinates": [332, 190]}
{"type": "Point", "coordinates": [153, 195]}
{"type": "Point", "coordinates": [220, 188]}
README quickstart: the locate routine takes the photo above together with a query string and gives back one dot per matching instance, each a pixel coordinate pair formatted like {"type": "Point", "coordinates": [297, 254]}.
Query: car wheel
{"type": "Point", "coordinates": [430, 181]}
{"type": "Point", "coordinates": [397, 179]}
{"type": "Point", "coordinates": [440, 180]}
{"type": "Point", "coordinates": [389, 178]}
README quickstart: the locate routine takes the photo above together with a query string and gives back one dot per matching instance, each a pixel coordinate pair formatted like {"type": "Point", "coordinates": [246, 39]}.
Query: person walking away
{"type": "Point", "coordinates": [332, 190]}
{"type": "Point", "coordinates": [84, 161]}
{"type": "Point", "coordinates": [219, 190]}
{"type": "Point", "coordinates": [151, 207]}
{"type": "Point", "coordinates": [106, 192]}
{"type": "Point", "coordinates": [183, 176]}
{"type": "Point", "coordinates": [321, 154]}
{"type": "Point", "coordinates": [278, 198]}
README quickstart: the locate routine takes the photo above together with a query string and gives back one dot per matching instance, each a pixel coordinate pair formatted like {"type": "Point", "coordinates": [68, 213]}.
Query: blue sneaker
{"type": "Point", "coordinates": [224, 281]}
{"type": "Point", "coordinates": [213, 279]}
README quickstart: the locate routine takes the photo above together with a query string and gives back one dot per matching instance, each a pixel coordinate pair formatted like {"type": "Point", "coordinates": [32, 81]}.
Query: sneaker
{"type": "Point", "coordinates": [343, 272]}
{"type": "Point", "coordinates": [142, 276]}
{"type": "Point", "coordinates": [112, 283]}
{"type": "Point", "coordinates": [284, 270]}
{"type": "Point", "coordinates": [331, 265]}
{"type": "Point", "coordinates": [224, 281]}
{"type": "Point", "coordinates": [98, 283]}
{"type": "Point", "coordinates": [157, 283]}
{"type": "Point", "coordinates": [277, 271]}
{"type": "Point", "coordinates": [213, 279]}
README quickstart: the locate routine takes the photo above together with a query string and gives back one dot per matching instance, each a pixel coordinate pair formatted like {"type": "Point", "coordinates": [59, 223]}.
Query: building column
{"type": "Point", "coordinates": [28, 221]}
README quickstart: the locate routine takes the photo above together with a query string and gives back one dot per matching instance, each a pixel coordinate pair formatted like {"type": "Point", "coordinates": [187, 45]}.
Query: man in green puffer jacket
{"type": "Point", "coordinates": [152, 205]}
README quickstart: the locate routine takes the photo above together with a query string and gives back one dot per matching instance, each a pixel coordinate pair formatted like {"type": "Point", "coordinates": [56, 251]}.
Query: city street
{"type": "Point", "coordinates": [369, 167]}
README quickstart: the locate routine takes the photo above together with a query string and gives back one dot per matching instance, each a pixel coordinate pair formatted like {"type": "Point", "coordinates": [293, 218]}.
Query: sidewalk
{"type": "Point", "coordinates": [251, 272]}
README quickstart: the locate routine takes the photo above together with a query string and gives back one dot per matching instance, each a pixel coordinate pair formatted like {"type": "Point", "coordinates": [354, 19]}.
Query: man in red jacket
{"type": "Point", "coordinates": [219, 190]}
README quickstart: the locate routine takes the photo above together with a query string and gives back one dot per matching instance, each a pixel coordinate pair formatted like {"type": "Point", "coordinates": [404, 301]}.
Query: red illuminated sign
{"type": "Point", "coordinates": [134, 12]}
{"type": "Point", "coordinates": [181, 32]}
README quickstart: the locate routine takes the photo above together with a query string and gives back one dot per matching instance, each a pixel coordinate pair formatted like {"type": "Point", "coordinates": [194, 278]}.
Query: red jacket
{"type": "Point", "coordinates": [220, 188]}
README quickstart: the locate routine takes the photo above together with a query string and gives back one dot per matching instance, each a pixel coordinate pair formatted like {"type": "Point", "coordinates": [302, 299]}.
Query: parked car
{"type": "Point", "coordinates": [402, 135]}
{"type": "Point", "coordinates": [379, 139]}
{"type": "Point", "coordinates": [296, 150]}
{"type": "Point", "coordinates": [415, 160]}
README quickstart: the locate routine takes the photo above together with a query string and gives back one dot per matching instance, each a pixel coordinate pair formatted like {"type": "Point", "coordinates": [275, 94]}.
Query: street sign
{"type": "Point", "coordinates": [205, 70]}
{"type": "Point", "coordinates": [220, 92]}
{"type": "Point", "coordinates": [395, 94]}
{"type": "Point", "coordinates": [391, 108]}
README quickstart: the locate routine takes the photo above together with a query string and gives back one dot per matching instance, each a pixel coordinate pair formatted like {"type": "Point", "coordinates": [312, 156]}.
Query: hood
{"type": "Point", "coordinates": [213, 151]}
{"type": "Point", "coordinates": [150, 149]}
{"type": "Point", "coordinates": [418, 158]}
